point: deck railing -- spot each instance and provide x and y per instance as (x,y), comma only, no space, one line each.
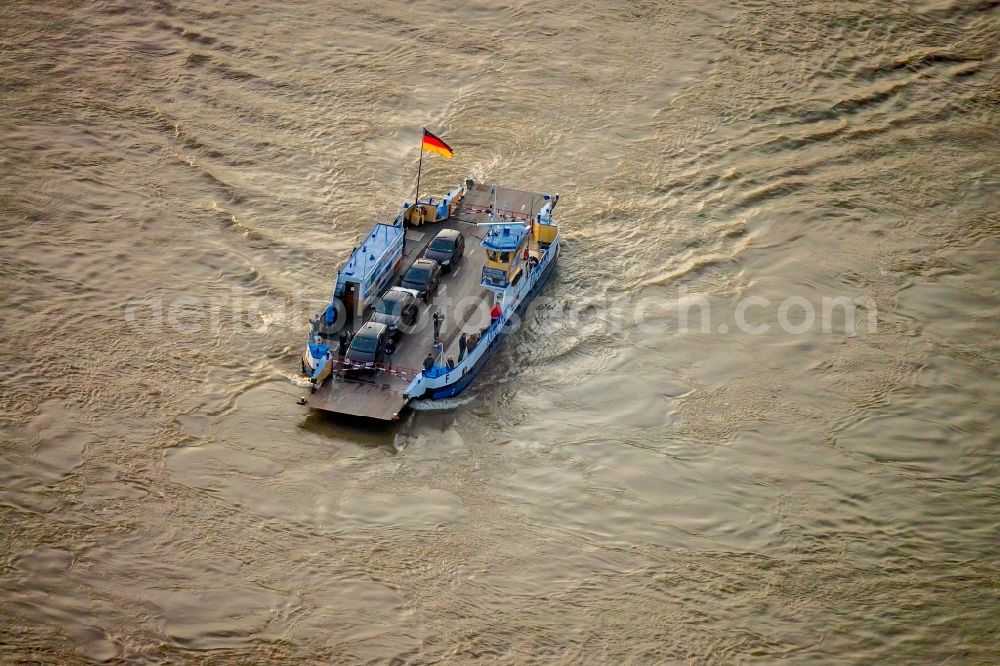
(338,363)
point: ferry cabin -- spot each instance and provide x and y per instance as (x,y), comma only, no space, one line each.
(506,247)
(513,248)
(372,266)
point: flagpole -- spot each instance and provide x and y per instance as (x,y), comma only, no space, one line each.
(420,166)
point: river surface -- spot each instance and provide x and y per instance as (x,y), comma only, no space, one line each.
(684,455)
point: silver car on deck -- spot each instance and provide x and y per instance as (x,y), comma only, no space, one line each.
(399,310)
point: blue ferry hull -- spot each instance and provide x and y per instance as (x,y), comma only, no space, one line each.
(451,390)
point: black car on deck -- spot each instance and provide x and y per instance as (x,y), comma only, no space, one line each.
(398,310)
(368,345)
(423,276)
(447,249)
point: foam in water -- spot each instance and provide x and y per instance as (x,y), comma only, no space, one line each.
(442,405)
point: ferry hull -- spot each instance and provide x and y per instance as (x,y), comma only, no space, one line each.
(451,390)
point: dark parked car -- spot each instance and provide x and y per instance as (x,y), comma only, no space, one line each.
(423,277)
(368,344)
(447,249)
(398,310)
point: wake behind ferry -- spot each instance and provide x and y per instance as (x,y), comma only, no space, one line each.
(424,301)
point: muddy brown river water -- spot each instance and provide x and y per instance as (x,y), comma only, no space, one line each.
(753,417)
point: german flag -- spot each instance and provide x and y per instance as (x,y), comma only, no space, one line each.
(435,145)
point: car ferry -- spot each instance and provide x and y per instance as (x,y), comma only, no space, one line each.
(462,269)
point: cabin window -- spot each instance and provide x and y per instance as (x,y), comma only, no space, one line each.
(504,257)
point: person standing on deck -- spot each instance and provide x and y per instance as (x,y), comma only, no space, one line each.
(342,348)
(389,350)
(463,343)
(428,362)
(438,348)
(496,312)
(438,320)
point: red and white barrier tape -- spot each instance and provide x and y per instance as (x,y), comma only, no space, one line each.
(503,215)
(402,373)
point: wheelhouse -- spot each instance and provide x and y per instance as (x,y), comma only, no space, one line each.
(505,246)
